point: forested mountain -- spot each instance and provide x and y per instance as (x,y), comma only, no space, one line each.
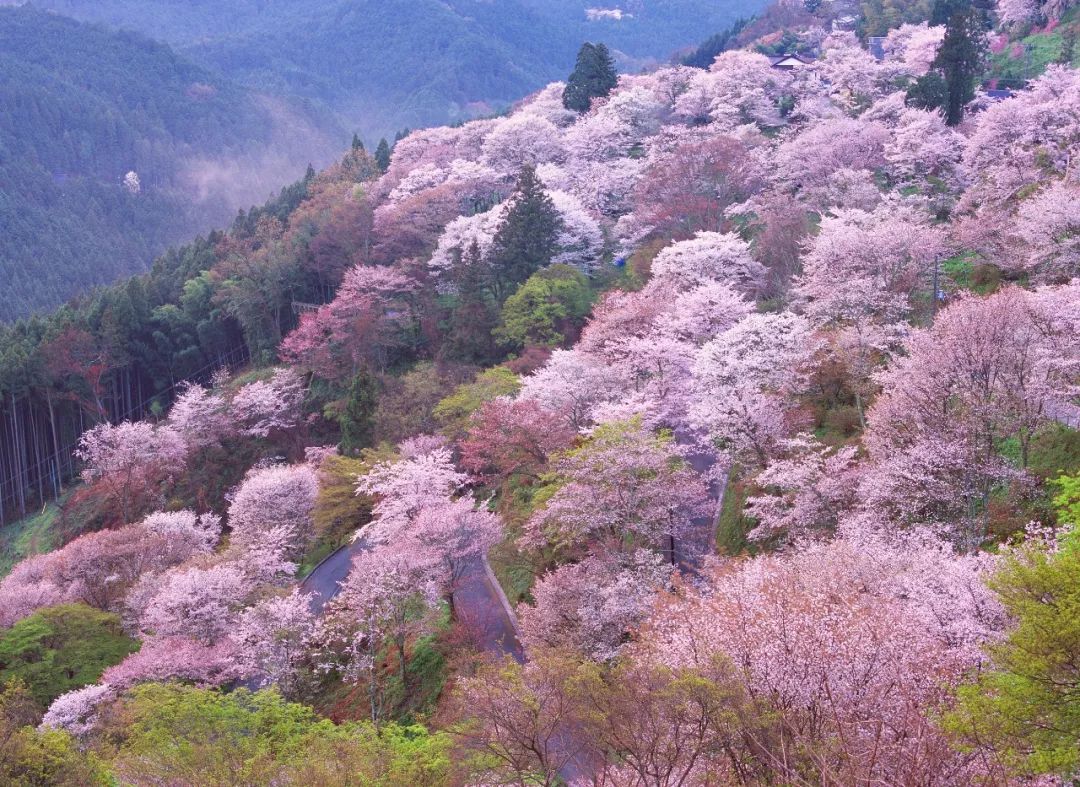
(80,108)
(388,64)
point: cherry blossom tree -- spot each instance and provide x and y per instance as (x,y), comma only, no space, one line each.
(914,47)
(200,531)
(624,488)
(405,487)
(805,493)
(923,147)
(808,158)
(371,317)
(1023,141)
(744,380)
(201,418)
(519,140)
(571,384)
(1049,224)
(128,460)
(709,258)
(865,267)
(28,588)
(512,438)
(164,659)
(271,498)
(199,603)
(388,598)
(593,607)
(77,711)
(687,189)
(830,639)
(458,536)
(272,637)
(982,374)
(264,407)
(740,87)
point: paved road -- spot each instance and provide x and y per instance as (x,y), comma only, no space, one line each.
(478,601)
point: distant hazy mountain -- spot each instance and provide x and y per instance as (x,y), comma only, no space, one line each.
(80,108)
(386,64)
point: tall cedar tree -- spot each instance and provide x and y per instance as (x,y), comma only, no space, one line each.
(962,56)
(475,317)
(594,77)
(526,239)
(382,155)
(358,417)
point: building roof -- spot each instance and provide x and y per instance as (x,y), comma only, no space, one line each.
(789,61)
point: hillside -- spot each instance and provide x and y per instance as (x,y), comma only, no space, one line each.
(704,426)
(80,107)
(389,64)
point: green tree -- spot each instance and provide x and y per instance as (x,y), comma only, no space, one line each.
(961,58)
(382,155)
(593,77)
(1025,708)
(928,92)
(171,734)
(32,758)
(358,416)
(545,308)
(475,315)
(62,648)
(455,410)
(527,237)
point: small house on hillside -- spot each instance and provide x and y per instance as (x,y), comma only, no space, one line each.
(790,62)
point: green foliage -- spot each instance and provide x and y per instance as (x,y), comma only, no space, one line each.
(1026,707)
(358,416)
(961,58)
(339,512)
(527,237)
(1054,451)
(180,735)
(593,77)
(62,648)
(733,524)
(33,758)
(706,52)
(454,411)
(878,17)
(928,92)
(544,309)
(33,535)
(382,155)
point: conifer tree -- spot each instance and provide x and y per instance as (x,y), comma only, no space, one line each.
(358,418)
(527,237)
(382,155)
(474,318)
(357,143)
(962,56)
(594,77)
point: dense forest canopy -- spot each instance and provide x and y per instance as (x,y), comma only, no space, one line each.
(80,109)
(389,64)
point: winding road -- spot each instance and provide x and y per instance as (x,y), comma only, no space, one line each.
(479,601)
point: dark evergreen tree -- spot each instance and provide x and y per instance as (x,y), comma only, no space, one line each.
(928,92)
(382,155)
(475,315)
(358,417)
(961,58)
(593,77)
(357,143)
(526,239)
